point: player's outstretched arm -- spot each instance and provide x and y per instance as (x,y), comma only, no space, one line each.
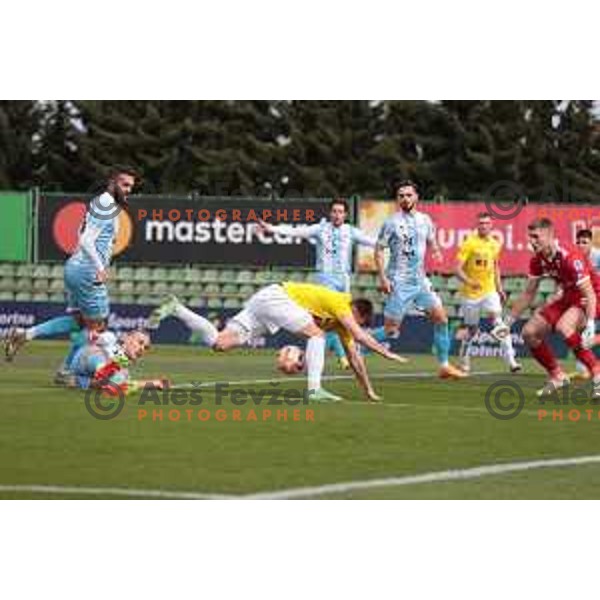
(366,339)
(360,237)
(359,367)
(297,231)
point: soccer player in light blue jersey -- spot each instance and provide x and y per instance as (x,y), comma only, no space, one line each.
(335,241)
(86,271)
(408,234)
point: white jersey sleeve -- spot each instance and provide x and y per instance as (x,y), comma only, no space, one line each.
(359,237)
(298,231)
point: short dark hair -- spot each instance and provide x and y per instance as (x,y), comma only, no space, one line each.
(123,170)
(364,308)
(542,223)
(400,183)
(584,234)
(342,202)
(484,215)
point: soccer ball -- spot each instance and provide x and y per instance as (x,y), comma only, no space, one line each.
(290,360)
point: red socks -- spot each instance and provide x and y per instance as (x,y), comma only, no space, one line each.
(544,355)
(584,355)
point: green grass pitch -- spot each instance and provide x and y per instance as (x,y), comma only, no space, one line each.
(47,437)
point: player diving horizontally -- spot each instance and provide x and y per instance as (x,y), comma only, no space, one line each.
(303,309)
(335,241)
(478,269)
(86,271)
(105,360)
(568,313)
(408,233)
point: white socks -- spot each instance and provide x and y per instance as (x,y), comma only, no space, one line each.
(508,352)
(208,332)
(315,361)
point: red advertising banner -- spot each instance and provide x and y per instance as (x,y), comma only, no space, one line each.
(455,220)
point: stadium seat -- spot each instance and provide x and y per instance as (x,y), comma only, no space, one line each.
(6,296)
(57,272)
(232,303)
(209,275)
(124,299)
(246,291)
(41,271)
(158,274)
(57,285)
(211,289)
(125,287)
(453,283)
(177,288)
(262,277)
(244,276)
(547,286)
(229,288)
(23,297)
(141,274)
(227,276)
(56,297)
(191,275)
(40,297)
(7,270)
(125,274)
(7,283)
(160,288)
(40,284)
(24,284)
(142,288)
(24,271)
(214,303)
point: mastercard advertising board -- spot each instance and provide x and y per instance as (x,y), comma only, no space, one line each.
(170,230)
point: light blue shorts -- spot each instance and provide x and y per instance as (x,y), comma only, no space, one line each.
(406,297)
(83,293)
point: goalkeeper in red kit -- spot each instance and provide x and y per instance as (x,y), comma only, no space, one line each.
(567,313)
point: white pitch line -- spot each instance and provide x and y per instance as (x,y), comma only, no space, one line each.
(310,492)
(432,477)
(111,491)
(417,375)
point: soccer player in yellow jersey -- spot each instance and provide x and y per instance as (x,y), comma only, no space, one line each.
(304,309)
(481,290)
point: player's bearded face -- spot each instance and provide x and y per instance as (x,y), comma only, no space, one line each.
(125,184)
(406,198)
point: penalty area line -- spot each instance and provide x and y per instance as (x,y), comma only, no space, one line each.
(425,478)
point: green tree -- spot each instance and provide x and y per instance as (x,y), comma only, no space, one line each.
(18,128)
